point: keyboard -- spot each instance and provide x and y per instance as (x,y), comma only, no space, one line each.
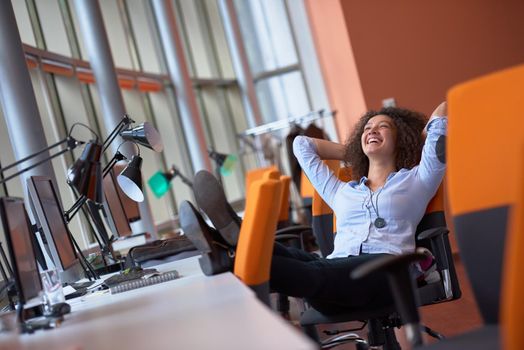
(128,275)
(147,280)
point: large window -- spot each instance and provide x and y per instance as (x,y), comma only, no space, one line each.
(273,58)
(66,91)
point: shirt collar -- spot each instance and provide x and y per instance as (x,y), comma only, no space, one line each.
(363,179)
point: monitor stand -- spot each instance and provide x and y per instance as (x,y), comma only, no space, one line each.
(36,317)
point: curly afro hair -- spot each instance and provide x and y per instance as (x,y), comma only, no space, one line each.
(409,126)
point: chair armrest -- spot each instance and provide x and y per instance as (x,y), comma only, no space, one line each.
(297,229)
(292,235)
(432,233)
(441,249)
(389,263)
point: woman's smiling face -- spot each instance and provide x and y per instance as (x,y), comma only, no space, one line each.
(379,137)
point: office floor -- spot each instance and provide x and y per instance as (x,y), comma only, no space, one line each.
(449,318)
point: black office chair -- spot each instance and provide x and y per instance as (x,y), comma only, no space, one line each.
(480,208)
(381,318)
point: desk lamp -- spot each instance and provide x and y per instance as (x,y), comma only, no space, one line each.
(130,179)
(224,162)
(71,143)
(84,176)
(144,134)
(160,182)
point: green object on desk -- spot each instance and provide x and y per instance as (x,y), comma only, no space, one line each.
(228,165)
(159,184)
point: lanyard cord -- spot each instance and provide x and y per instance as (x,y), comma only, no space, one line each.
(379,222)
(376,200)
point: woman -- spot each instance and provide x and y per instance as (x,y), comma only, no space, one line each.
(377,213)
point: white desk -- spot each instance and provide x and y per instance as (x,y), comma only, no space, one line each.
(192,312)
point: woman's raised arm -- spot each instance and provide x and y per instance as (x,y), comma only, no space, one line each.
(329,150)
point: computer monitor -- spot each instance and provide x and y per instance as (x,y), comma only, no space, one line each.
(114,208)
(49,216)
(21,246)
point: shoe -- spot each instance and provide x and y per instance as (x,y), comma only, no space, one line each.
(211,199)
(217,255)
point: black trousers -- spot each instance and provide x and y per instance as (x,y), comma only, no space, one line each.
(326,283)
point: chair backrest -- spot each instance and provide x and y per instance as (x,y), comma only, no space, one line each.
(485,131)
(512,302)
(257,234)
(283,216)
(344,174)
(256,174)
(448,287)
(322,216)
(306,189)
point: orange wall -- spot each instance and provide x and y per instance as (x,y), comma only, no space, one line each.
(337,62)
(411,50)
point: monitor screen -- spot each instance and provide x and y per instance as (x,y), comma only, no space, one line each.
(115,208)
(130,206)
(48,214)
(21,246)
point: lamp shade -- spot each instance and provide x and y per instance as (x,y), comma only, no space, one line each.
(146,135)
(130,180)
(85,175)
(228,165)
(160,183)
(225,162)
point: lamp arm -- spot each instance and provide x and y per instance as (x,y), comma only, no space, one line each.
(83,261)
(116,158)
(121,125)
(32,166)
(185,180)
(175,172)
(71,212)
(71,144)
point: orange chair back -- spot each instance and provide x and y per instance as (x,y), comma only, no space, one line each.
(484,132)
(256,174)
(257,233)
(344,174)
(283,217)
(512,303)
(306,188)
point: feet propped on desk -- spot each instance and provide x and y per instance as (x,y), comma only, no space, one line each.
(217,255)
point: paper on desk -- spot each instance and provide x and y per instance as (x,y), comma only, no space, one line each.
(69,290)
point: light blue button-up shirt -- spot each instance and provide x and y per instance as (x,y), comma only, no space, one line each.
(401,202)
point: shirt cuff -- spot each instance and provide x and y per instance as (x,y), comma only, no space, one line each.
(302,143)
(437,125)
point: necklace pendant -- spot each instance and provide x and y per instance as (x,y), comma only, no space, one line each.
(380,222)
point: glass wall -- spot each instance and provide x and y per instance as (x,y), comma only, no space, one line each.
(273,58)
(66,91)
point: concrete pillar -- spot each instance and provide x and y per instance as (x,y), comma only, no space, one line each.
(113,109)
